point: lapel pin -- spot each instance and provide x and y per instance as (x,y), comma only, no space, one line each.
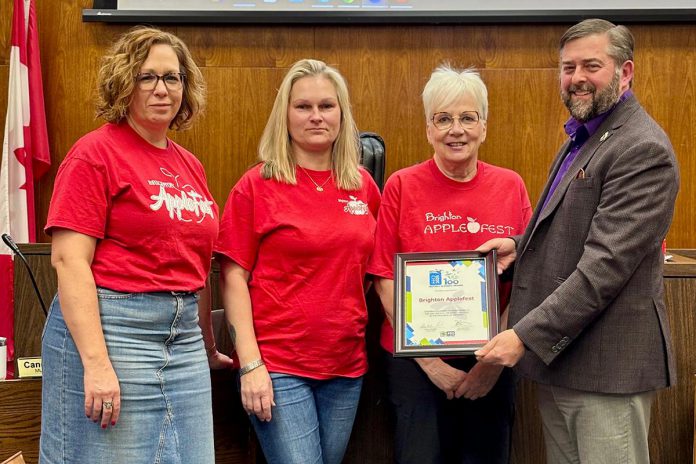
(604,136)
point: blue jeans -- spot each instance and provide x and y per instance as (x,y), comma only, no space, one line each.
(312,420)
(156,349)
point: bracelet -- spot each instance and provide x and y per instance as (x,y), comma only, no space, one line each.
(251,366)
(211,350)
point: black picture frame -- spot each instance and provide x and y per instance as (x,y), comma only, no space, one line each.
(424,309)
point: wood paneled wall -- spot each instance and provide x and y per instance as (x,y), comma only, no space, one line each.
(386,67)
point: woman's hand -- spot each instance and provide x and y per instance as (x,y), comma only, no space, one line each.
(479,381)
(506,249)
(257,393)
(444,376)
(219,361)
(71,256)
(102,393)
(256,385)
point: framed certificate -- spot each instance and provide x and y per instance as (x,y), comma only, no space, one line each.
(444,303)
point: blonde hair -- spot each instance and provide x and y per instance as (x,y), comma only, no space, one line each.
(123,62)
(275,149)
(448,85)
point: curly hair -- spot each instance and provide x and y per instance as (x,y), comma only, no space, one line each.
(275,149)
(123,62)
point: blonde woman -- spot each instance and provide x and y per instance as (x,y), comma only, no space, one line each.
(295,238)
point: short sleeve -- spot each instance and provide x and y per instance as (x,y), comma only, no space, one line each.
(81,198)
(526,205)
(386,235)
(239,238)
(373,196)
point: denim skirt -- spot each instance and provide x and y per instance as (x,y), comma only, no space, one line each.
(156,348)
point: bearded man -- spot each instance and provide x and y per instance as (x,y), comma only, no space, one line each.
(587,313)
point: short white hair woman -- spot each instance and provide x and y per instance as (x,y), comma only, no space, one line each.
(455,409)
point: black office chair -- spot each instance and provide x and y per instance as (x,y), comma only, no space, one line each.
(372,156)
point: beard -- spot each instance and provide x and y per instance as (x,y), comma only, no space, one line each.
(601,101)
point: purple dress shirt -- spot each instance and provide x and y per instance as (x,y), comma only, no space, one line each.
(579,133)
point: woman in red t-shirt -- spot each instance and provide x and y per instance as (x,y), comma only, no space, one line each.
(448,410)
(127,342)
(295,238)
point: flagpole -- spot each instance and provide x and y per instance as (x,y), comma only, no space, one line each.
(25,154)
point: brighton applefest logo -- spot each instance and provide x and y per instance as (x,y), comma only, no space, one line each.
(448,222)
(355,206)
(182,202)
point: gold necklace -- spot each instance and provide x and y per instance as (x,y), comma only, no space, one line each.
(320,188)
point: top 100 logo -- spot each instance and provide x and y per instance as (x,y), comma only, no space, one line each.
(439,278)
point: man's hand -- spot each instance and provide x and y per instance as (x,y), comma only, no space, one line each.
(505,349)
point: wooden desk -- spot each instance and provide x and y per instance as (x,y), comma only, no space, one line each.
(672,427)
(20,418)
(671,433)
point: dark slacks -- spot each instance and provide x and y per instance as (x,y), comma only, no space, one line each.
(430,429)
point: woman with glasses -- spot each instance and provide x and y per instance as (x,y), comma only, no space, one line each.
(129,341)
(448,410)
(295,237)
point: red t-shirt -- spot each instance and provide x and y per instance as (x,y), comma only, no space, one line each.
(307,253)
(424,211)
(150,209)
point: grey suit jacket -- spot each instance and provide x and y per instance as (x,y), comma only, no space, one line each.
(587,297)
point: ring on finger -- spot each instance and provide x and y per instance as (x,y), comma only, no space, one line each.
(107,404)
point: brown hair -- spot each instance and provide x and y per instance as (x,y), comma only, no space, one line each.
(621,41)
(124,60)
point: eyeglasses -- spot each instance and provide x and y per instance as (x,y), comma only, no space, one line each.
(445,121)
(172,81)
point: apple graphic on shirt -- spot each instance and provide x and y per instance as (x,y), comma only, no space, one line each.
(473,226)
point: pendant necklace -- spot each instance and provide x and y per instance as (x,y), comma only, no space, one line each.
(320,188)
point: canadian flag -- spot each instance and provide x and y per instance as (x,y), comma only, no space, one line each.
(25,155)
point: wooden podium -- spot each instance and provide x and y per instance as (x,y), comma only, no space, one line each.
(671,431)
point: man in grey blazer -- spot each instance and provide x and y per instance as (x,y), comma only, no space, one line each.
(587,312)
